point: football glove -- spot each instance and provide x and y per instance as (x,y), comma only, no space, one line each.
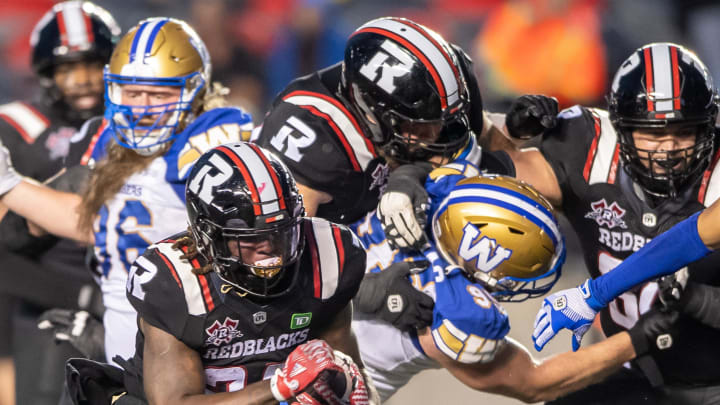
(8,176)
(403,205)
(79,328)
(531,115)
(311,362)
(390,296)
(573,309)
(654,330)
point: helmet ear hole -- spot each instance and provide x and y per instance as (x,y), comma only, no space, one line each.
(515,231)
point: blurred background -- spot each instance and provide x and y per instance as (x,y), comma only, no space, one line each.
(565,48)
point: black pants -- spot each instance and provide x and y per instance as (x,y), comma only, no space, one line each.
(629,387)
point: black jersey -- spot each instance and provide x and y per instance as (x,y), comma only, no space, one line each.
(612,220)
(240,340)
(319,138)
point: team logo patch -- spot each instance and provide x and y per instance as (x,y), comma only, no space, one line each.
(219,333)
(300,320)
(607,215)
(58,142)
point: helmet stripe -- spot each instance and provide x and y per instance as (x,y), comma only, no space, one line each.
(153,34)
(75,25)
(136,40)
(246,176)
(675,77)
(143,40)
(649,78)
(432,56)
(662,77)
(258,173)
(509,200)
(430,38)
(273,175)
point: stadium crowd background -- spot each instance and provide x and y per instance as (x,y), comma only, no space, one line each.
(565,48)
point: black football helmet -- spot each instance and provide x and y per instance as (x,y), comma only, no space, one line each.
(70,31)
(245,215)
(664,86)
(400,77)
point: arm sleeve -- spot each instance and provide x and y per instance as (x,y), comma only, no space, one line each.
(665,254)
(306,144)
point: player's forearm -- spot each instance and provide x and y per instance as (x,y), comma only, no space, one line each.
(254,394)
(708,228)
(54,211)
(571,371)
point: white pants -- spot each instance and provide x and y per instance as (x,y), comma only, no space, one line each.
(120,331)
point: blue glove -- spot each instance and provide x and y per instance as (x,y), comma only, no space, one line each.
(572,309)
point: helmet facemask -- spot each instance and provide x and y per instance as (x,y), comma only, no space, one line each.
(146,128)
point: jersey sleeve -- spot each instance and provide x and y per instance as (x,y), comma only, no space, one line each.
(304,142)
(353,268)
(566,146)
(469,326)
(85,141)
(155,291)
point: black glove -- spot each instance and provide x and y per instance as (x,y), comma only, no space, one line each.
(671,289)
(403,205)
(531,115)
(79,328)
(653,331)
(390,296)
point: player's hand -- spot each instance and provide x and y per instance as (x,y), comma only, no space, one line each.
(8,176)
(310,363)
(572,309)
(358,392)
(531,115)
(672,287)
(654,330)
(403,205)
(79,328)
(391,297)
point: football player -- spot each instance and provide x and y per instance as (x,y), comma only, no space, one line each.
(622,177)
(70,45)
(250,283)
(402,93)
(159,118)
(493,239)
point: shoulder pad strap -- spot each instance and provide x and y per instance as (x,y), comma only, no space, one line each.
(28,121)
(328,256)
(602,160)
(359,149)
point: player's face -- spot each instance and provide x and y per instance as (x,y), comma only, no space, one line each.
(259,253)
(81,83)
(142,96)
(670,144)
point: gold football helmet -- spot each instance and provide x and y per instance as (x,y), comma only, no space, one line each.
(157,52)
(503,234)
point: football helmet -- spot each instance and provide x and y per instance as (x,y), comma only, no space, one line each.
(71,31)
(405,83)
(156,52)
(245,214)
(501,233)
(664,86)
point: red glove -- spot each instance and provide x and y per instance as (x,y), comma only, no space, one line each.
(302,368)
(358,391)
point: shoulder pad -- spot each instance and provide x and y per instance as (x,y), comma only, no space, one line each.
(710,186)
(27,121)
(338,259)
(469,324)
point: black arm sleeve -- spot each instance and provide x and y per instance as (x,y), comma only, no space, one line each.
(701,301)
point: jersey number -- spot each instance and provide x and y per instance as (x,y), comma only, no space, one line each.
(292,137)
(388,72)
(626,309)
(230,379)
(130,244)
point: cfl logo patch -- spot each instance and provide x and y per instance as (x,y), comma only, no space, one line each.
(664,341)
(395,303)
(559,303)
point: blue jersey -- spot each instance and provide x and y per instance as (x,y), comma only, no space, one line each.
(468,323)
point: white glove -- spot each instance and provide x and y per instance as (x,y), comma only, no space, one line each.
(8,176)
(397,215)
(572,309)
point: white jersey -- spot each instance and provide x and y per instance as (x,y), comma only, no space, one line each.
(150,207)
